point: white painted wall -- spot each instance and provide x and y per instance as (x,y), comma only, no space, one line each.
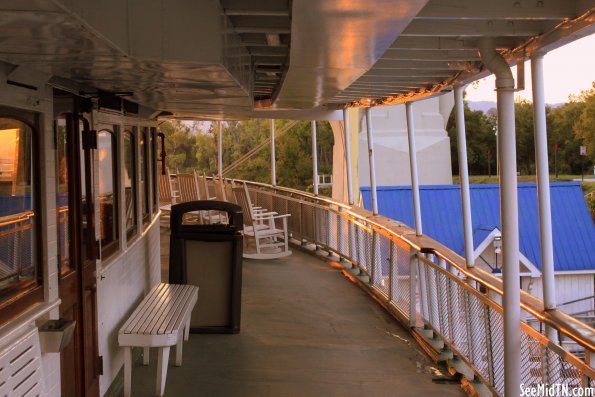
(568,288)
(39,101)
(391,148)
(121,284)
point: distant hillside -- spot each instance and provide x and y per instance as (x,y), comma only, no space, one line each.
(484,106)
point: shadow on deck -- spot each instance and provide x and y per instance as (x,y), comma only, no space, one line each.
(306,331)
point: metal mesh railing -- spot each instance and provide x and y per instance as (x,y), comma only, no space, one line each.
(466,313)
(16,252)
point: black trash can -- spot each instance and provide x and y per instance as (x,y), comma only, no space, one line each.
(210,257)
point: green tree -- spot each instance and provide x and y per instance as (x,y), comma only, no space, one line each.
(180,146)
(584,128)
(525,138)
(481,142)
(561,132)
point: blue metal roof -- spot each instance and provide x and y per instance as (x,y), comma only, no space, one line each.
(572,227)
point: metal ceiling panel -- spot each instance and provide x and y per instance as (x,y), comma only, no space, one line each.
(334,42)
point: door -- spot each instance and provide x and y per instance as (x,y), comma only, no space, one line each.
(77,253)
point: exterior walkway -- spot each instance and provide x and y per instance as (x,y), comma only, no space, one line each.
(306,331)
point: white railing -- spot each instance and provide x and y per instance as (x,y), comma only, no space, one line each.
(455,310)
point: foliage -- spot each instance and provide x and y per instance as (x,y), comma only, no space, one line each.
(591,204)
(584,127)
(180,146)
(481,142)
(569,127)
(195,147)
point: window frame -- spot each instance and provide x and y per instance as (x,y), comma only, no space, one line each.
(18,299)
(154,175)
(132,132)
(113,246)
(145,194)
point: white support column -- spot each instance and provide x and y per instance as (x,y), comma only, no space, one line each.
(508,214)
(220,151)
(372,161)
(348,157)
(413,169)
(464,175)
(273,170)
(314,158)
(543,182)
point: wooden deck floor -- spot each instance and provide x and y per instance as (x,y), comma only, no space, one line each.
(306,331)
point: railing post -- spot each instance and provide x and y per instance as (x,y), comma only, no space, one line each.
(314,159)
(392,282)
(413,168)
(376,271)
(348,157)
(413,289)
(273,161)
(509,214)
(220,151)
(371,161)
(341,235)
(464,175)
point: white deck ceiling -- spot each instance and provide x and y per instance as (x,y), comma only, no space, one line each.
(236,59)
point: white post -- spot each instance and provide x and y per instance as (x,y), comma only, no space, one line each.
(348,157)
(413,169)
(464,175)
(273,170)
(220,151)
(314,158)
(543,182)
(371,161)
(509,214)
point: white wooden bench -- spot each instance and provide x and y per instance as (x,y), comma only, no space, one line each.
(161,320)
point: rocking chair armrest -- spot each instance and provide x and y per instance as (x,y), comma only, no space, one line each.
(276,216)
(264,215)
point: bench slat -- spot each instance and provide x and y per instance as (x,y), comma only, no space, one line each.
(162,311)
(174,319)
(160,305)
(141,311)
(155,303)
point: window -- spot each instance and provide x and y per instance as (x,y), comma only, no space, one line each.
(62,178)
(108,197)
(130,183)
(154,168)
(144,171)
(19,265)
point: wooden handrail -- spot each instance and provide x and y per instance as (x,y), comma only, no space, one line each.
(576,330)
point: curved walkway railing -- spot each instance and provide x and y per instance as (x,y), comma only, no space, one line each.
(427,286)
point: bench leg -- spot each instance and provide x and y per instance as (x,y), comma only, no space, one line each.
(187,330)
(179,350)
(127,371)
(162,359)
(146,355)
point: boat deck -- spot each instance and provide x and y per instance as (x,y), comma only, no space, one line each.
(306,330)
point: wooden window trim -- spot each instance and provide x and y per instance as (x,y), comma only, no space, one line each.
(21,298)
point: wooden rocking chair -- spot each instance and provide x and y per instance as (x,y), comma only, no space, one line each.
(270,239)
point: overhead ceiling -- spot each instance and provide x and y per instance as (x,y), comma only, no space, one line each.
(233,59)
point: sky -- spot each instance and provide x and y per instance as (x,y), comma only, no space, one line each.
(569,69)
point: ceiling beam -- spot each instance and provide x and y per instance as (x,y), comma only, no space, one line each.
(467,28)
(256,12)
(447,43)
(494,9)
(408,73)
(260,29)
(407,64)
(431,55)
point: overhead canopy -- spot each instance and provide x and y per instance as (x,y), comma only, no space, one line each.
(233,59)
